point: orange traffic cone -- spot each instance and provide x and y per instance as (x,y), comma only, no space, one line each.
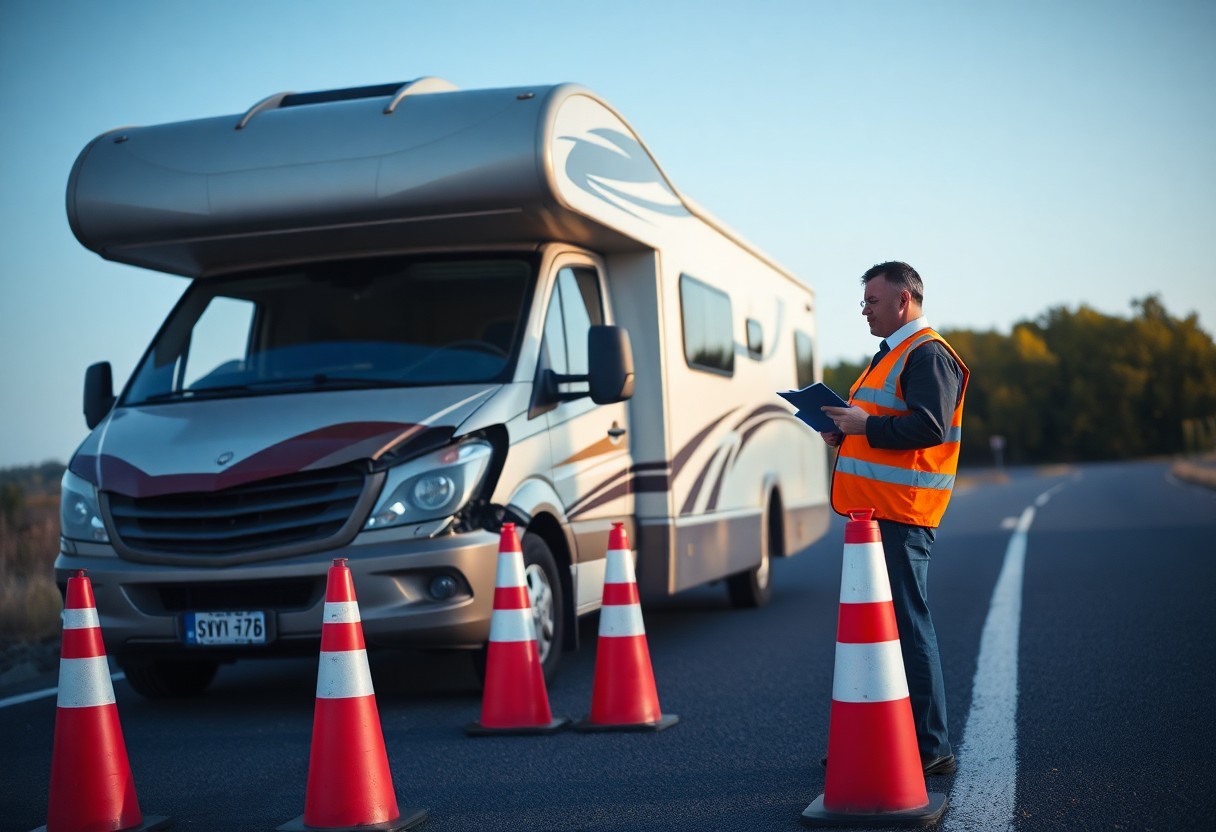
(91,784)
(624,697)
(350,786)
(874,774)
(514,700)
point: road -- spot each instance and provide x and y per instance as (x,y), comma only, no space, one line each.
(1096,663)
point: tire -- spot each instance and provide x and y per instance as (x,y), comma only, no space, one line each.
(166,678)
(548,607)
(754,587)
(545,596)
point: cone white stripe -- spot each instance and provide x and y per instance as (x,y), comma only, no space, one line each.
(344,675)
(85,683)
(341,612)
(621,620)
(620,567)
(512,625)
(863,565)
(81,619)
(869,672)
(510,570)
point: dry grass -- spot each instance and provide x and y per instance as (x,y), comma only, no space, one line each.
(30,603)
(1199,473)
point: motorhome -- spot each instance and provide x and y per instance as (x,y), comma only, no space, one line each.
(415,312)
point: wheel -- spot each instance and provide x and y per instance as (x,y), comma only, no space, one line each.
(166,678)
(545,599)
(545,596)
(753,587)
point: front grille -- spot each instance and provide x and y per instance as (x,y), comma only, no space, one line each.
(281,595)
(285,511)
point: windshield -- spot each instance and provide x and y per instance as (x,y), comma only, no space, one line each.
(339,326)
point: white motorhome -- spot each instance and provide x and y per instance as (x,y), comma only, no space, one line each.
(415,312)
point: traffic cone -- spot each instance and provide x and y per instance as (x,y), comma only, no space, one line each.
(874,774)
(91,784)
(624,697)
(514,700)
(350,786)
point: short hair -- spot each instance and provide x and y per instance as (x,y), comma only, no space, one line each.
(898,274)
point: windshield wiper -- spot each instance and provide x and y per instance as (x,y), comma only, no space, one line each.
(318,381)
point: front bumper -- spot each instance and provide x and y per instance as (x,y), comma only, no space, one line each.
(141,607)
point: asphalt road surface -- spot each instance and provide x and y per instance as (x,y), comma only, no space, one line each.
(1074,610)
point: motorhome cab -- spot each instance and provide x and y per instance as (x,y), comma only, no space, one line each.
(415,312)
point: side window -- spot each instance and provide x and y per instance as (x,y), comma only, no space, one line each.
(804,359)
(219,344)
(755,338)
(574,308)
(709,342)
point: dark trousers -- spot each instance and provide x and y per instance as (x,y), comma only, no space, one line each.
(907,554)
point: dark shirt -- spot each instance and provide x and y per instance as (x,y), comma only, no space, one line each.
(932,386)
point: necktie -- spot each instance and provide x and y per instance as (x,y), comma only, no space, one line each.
(883,349)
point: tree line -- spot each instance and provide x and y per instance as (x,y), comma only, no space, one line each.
(1080,385)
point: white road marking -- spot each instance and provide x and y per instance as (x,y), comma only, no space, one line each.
(985,789)
(45,693)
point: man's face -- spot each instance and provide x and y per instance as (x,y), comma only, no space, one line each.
(883,306)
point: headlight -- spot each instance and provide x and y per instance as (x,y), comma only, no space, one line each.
(79,515)
(431,487)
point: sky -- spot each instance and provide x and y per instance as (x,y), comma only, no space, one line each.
(1021,156)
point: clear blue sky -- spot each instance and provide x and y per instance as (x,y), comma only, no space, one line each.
(1021,155)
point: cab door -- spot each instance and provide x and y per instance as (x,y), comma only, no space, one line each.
(591,459)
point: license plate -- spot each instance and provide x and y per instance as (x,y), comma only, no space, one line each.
(247,627)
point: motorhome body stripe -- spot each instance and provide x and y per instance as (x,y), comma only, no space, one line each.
(85,683)
(344,675)
(869,673)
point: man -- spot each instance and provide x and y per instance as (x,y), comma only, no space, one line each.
(899,443)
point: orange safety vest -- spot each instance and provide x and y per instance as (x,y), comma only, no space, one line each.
(911,486)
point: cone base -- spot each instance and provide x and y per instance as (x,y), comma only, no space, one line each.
(586,726)
(476,729)
(817,816)
(409,819)
(150,823)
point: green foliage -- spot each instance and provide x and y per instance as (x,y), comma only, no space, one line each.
(1080,385)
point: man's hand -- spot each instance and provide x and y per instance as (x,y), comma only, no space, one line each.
(849,420)
(832,437)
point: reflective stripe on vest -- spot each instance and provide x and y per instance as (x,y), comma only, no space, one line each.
(911,486)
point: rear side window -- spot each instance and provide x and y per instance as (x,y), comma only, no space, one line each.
(709,342)
(804,359)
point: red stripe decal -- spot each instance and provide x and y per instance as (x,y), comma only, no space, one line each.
(866,623)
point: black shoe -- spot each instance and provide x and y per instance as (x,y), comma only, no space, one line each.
(939,765)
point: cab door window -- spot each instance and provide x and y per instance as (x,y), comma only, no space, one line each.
(574,308)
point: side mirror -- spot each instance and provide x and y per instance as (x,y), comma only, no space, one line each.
(610,364)
(98,393)
(610,357)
